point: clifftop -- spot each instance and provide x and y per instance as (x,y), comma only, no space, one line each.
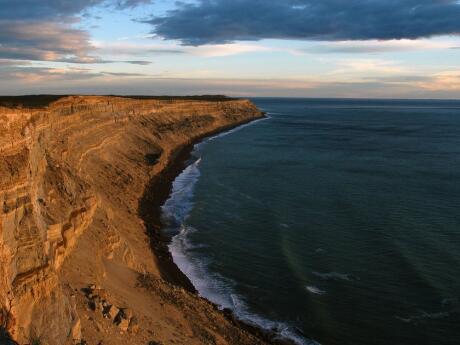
(75,259)
(43,101)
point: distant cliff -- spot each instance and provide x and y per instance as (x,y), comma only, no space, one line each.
(75,259)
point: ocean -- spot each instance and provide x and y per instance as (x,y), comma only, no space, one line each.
(331,221)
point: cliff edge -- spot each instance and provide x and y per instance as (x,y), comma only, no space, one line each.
(76,262)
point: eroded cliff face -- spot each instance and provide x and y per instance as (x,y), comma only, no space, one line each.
(71,176)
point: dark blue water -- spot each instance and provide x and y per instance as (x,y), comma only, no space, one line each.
(332,220)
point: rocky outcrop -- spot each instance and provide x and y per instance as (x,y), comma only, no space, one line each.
(71,175)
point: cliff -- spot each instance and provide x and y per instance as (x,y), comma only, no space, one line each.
(76,262)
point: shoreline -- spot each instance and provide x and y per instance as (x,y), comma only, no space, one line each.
(155,195)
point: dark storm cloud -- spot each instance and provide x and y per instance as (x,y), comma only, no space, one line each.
(223,21)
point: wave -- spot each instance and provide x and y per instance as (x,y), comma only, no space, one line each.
(422,316)
(180,202)
(335,276)
(315,290)
(213,286)
(450,303)
(220,290)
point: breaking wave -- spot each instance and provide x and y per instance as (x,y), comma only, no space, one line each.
(315,290)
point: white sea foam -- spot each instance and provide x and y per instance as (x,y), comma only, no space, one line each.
(180,202)
(315,290)
(212,286)
(220,290)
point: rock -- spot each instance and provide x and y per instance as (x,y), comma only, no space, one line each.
(127,313)
(123,324)
(92,305)
(112,312)
(133,325)
(101,293)
(123,319)
(76,331)
(99,306)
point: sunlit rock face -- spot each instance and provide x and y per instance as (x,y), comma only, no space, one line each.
(71,175)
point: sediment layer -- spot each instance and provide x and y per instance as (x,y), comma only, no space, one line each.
(75,255)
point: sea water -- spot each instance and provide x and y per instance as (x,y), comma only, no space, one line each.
(331,221)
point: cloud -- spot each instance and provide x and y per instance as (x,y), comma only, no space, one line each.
(44,9)
(368,66)
(31,75)
(52,9)
(4,63)
(219,50)
(127,49)
(223,21)
(123,48)
(83,81)
(136,62)
(123,4)
(375,46)
(401,79)
(442,81)
(27,74)
(46,41)
(123,74)
(43,30)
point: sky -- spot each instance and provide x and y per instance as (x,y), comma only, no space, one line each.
(286,48)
